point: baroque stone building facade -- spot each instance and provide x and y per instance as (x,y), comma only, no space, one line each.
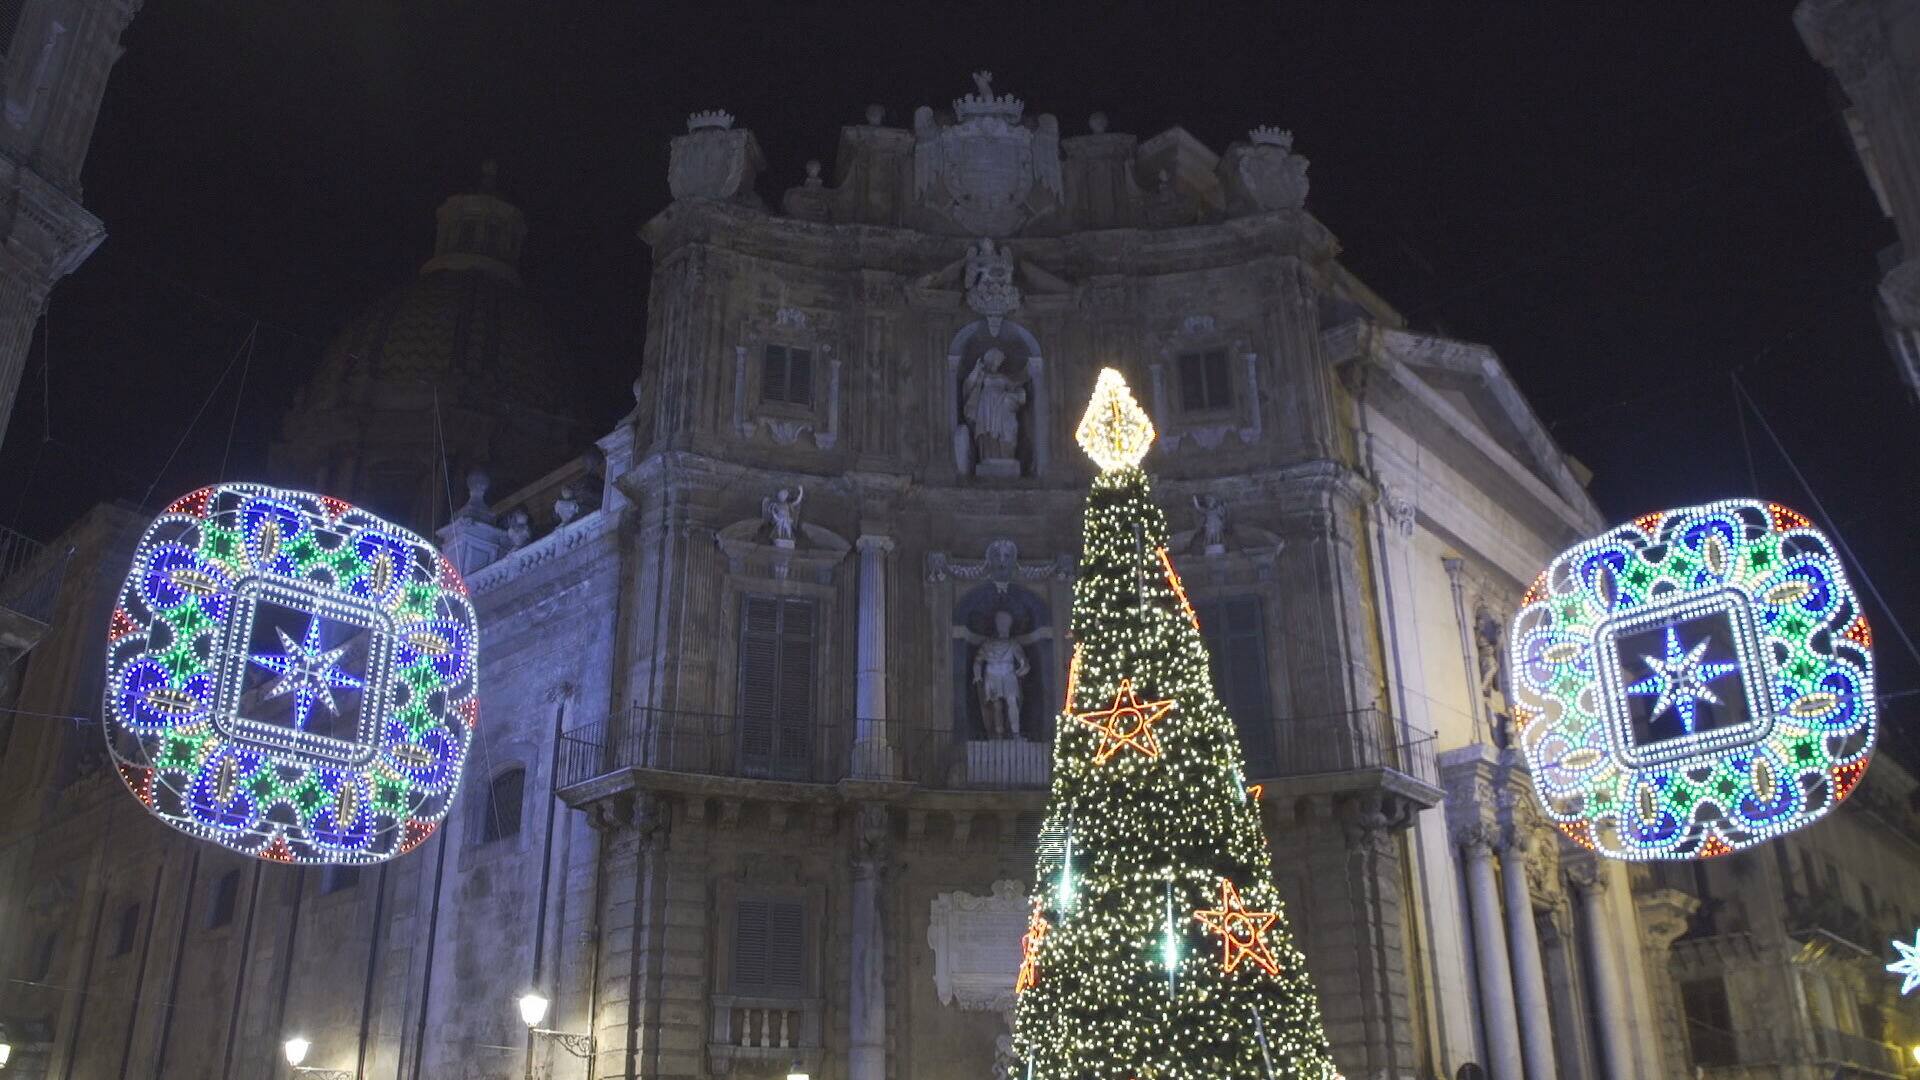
(770,668)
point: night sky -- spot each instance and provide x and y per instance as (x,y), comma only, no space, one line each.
(1627,203)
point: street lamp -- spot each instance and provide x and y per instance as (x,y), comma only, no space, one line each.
(797,1070)
(296,1050)
(533,1009)
(6,1051)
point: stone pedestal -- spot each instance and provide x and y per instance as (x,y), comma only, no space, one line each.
(997,469)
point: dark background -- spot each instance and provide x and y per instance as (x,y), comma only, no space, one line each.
(1627,202)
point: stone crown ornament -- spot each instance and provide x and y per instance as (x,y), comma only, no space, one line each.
(719,119)
(1115,432)
(291,677)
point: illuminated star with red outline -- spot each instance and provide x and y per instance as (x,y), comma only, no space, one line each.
(1128,722)
(1242,932)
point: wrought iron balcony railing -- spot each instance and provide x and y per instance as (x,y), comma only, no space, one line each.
(801,750)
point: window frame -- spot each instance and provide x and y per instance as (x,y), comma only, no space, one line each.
(126,930)
(787,350)
(801,987)
(782,759)
(492,823)
(1205,356)
(1211,610)
(223,900)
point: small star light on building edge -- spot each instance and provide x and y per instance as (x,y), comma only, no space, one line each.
(1908,966)
(1115,431)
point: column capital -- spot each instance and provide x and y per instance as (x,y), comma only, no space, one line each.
(1479,839)
(872,837)
(1665,915)
(1588,877)
(875,542)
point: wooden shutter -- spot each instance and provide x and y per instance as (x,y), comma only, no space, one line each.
(1234,629)
(799,376)
(749,946)
(769,948)
(785,940)
(777,661)
(1193,382)
(773,374)
(504,799)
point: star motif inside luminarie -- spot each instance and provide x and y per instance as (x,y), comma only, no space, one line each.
(1679,680)
(307,672)
(1129,722)
(1908,966)
(1242,932)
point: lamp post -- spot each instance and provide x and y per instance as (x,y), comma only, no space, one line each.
(6,1051)
(797,1070)
(296,1050)
(533,1009)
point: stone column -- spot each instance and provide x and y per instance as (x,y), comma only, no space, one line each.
(1664,917)
(1616,1042)
(867,997)
(1529,978)
(871,757)
(1477,844)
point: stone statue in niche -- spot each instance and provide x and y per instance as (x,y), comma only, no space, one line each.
(1213,522)
(519,530)
(782,512)
(999,663)
(991,403)
(1488,634)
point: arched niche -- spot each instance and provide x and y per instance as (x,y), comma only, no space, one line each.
(1024,364)
(973,622)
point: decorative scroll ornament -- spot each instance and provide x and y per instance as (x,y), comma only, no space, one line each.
(291,677)
(1115,432)
(1694,683)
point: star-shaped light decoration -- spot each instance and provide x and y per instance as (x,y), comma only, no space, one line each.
(1115,432)
(1030,950)
(1679,680)
(1242,932)
(1908,966)
(307,672)
(1128,722)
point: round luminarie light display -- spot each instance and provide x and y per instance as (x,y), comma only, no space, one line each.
(291,677)
(1694,682)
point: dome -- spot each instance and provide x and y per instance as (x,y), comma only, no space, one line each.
(464,336)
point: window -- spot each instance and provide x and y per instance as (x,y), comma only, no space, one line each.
(337,878)
(502,814)
(43,956)
(126,930)
(768,944)
(1709,1022)
(776,686)
(1204,381)
(1234,629)
(786,375)
(226,891)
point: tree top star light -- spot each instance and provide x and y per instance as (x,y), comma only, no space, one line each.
(291,677)
(1115,431)
(1694,682)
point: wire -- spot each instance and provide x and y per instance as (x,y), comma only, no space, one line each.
(197,413)
(1839,540)
(239,396)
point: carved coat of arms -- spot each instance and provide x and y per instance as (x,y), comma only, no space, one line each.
(987,172)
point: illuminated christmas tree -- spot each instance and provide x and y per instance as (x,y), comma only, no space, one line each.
(1156,949)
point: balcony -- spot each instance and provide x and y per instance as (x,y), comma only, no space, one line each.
(30,579)
(1857,1052)
(1333,751)
(774,1031)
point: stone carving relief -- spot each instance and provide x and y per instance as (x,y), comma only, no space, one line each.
(1002,566)
(1398,508)
(991,401)
(989,283)
(1213,522)
(1490,657)
(986,172)
(782,513)
(1263,173)
(713,160)
(976,946)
